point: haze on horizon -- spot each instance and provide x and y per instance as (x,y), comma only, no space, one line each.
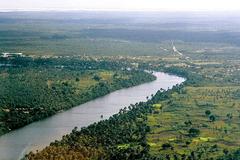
(122,5)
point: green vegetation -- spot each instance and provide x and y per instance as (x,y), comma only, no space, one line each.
(84,33)
(201,119)
(35,88)
(184,124)
(120,137)
(196,120)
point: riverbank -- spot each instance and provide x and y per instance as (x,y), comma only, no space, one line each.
(132,96)
(38,88)
(13,145)
(196,120)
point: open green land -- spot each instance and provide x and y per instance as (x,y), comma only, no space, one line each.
(201,119)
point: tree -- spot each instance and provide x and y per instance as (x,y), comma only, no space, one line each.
(225,151)
(188,123)
(96,78)
(193,132)
(207,112)
(229,116)
(212,118)
(166,146)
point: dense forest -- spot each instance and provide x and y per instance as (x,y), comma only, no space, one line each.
(123,136)
(35,88)
(196,120)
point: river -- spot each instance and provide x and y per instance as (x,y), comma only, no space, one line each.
(35,136)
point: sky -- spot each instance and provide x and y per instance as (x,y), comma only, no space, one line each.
(135,5)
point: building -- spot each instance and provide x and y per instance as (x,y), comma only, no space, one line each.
(6,55)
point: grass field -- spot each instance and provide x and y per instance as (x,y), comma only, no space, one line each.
(181,112)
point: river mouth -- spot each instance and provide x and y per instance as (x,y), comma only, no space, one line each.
(37,135)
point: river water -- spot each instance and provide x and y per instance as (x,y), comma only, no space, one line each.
(35,136)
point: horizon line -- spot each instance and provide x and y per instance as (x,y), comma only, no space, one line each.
(107,10)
